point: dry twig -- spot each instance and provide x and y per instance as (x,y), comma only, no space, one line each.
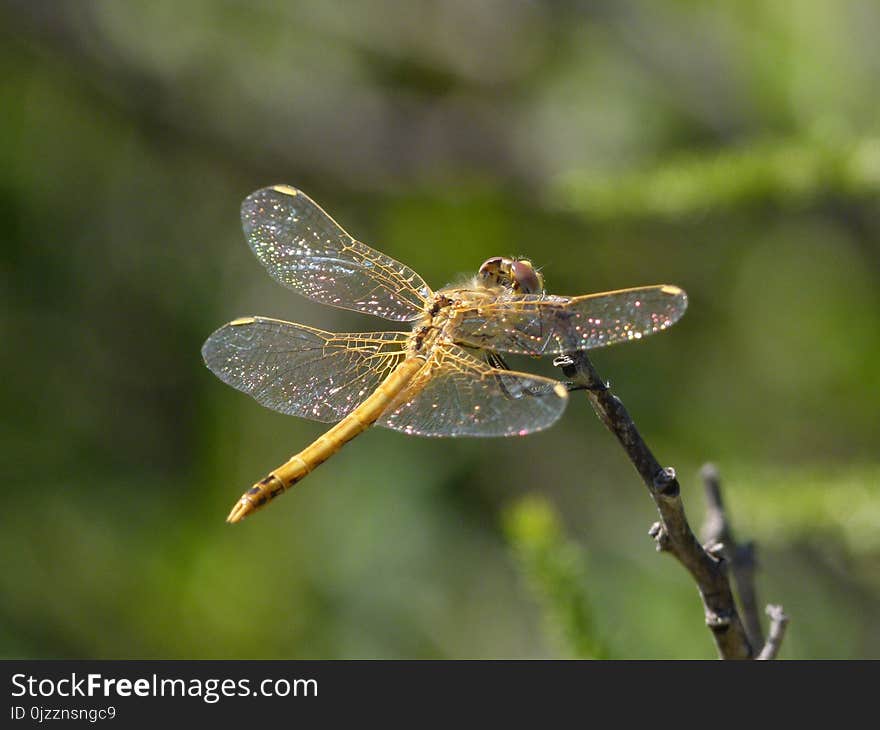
(672,533)
(718,540)
(778,624)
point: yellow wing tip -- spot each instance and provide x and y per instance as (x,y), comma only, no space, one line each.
(242,320)
(285,189)
(672,290)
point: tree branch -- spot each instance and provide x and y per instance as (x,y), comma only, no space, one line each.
(672,533)
(718,539)
(778,624)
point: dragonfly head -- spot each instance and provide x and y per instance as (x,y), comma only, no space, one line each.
(518,275)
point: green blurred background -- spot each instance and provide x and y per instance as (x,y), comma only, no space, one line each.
(732,148)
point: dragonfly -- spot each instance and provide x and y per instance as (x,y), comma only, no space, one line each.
(444,377)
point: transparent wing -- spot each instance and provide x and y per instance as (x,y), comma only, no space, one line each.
(307,251)
(299,370)
(457,395)
(545,325)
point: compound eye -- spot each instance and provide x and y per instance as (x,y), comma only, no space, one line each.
(525,278)
(490,267)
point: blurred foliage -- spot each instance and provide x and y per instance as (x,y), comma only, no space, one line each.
(839,507)
(555,571)
(764,174)
(728,147)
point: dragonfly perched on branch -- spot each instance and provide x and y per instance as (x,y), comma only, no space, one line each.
(444,377)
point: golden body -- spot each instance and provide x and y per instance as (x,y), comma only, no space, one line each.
(437,327)
(322,448)
(430,381)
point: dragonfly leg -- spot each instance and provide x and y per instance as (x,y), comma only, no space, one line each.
(495,360)
(594,386)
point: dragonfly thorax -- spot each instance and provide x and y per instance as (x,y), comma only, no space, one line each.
(517,275)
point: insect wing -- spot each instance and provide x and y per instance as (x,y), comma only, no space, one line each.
(456,394)
(306,250)
(302,371)
(546,325)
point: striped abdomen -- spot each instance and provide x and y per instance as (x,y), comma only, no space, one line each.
(361,418)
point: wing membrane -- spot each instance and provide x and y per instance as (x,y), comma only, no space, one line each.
(545,325)
(457,395)
(307,251)
(302,371)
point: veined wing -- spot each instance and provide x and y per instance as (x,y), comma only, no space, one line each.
(302,371)
(307,251)
(537,324)
(456,394)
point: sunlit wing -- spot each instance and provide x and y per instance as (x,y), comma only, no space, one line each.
(307,251)
(302,371)
(545,325)
(458,395)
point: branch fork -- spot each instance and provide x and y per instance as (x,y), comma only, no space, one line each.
(711,566)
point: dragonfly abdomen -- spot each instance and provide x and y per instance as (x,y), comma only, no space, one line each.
(298,466)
